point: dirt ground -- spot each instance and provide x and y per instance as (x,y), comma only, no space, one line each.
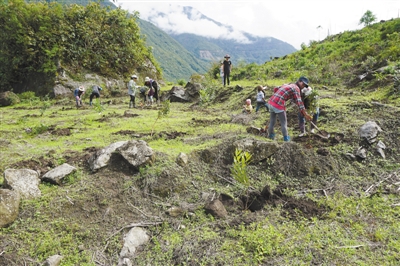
(305,162)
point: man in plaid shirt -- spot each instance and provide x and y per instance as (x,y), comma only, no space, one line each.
(277,105)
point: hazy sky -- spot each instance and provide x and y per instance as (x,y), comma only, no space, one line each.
(291,21)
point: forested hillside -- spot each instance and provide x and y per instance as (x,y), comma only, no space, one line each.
(176,62)
(259,49)
(40,40)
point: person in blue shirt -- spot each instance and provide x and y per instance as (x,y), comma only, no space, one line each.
(78,94)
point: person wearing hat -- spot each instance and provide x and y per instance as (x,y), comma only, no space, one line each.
(78,94)
(132,90)
(95,92)
(227,67)
(152,84)
(277,107)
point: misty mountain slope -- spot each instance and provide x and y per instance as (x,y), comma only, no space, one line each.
(221,39)
(260,50)
(175,61)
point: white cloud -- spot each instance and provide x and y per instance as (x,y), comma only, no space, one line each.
(292,21)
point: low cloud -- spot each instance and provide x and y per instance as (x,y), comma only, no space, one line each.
(174,20)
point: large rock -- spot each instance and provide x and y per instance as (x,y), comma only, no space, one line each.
(24,181)
(216,209)
(60,91)
(260,150)
(9,206)
(101,158)
(369,131)
(191,93)
(136,153)
(56,175)
(135,238)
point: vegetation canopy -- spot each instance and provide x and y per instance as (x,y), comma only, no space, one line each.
(41,39)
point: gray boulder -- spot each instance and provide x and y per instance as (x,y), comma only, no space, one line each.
(182,159)
(191,93)
(135,238)
(136,153)
(56,175)
(24,181)
(61,91)
(101,158)
(260,150)
(369,131)
(9,206)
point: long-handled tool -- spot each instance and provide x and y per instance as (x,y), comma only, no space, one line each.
(324,134)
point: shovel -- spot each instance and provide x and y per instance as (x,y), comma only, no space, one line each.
(323,133)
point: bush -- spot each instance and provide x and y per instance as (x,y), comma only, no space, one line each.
(8,98)
(181,82)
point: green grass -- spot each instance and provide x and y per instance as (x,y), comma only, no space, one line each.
(73,220)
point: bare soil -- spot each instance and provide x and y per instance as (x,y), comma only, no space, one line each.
(109,202)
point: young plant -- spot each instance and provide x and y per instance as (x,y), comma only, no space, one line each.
(163,112)
(98,107)
(241,160)
(45,105)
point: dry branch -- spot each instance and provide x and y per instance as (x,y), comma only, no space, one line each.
(360,246)
(302,192)
(380,182)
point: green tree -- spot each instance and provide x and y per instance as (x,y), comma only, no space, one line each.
(367,18)
(41,38)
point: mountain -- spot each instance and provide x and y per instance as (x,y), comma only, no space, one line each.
(240,45)
(182,54)
(175,61)
(259,50)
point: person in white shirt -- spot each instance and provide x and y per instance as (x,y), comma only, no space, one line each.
(132,90)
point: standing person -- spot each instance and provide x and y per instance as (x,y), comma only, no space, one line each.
(277,105)
(310,100)
(221,72)
(260,98)
(150,83)
(227,69)
(95,92)
(132,90)
(151,94)
(78,94)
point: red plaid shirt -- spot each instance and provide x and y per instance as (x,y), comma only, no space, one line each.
(284,93)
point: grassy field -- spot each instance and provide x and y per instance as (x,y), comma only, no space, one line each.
(320,216)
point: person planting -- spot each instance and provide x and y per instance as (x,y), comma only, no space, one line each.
(277,104)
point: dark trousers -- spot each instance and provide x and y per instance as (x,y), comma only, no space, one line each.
(94,94)
(226,77)
(132,99)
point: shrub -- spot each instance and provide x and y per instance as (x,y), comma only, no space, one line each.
(181,82)
(9,98)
